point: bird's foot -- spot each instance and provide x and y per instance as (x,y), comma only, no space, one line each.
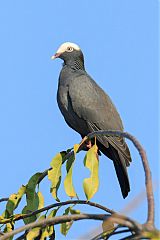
(85,144)
(88,144)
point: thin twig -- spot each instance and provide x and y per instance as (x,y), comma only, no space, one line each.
(4,199)
(66,203)
(133,236)
(43,175)
(102,234)
(22,237)
(120,231)
(148,178)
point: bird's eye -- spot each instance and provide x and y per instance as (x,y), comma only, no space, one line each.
(69,49)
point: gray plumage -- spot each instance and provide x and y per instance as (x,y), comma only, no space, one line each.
(87,108)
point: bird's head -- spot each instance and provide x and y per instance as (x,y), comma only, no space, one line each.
(69,52)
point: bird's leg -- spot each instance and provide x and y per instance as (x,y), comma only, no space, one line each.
(88,144)
(85,144)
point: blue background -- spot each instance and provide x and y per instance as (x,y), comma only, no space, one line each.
(120,43)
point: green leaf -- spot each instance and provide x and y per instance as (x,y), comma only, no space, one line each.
(54,175)
(32,198)
(30,208)
(90,185)
(13,201)
(30,190)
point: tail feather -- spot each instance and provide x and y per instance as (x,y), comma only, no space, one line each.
(120,167)
(122,175)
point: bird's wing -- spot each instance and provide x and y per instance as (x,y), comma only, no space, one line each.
(90,102)
(94,106)
(117,142)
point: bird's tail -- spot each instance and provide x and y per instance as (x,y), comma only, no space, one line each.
(122,175)
(120,167)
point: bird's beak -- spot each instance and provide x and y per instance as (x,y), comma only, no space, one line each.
(56,55)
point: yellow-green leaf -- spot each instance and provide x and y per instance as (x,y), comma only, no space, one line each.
(153,235)
(13,201)
(68,181)
(3,220)
(76,148)
(35,232)
(41,200)
(54,175)
(67,225)
(74,211)
(90,185)
(8,227)
(108,227)
(49,230)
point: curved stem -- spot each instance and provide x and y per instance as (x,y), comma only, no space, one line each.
(67,203)
(148,178)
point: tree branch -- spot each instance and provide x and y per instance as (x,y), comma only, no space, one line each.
(4,199)
(55,221)
(68,218)
(148,178)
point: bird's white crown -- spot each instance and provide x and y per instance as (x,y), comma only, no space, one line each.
(66,45)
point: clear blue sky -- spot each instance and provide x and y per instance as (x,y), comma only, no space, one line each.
(120,43)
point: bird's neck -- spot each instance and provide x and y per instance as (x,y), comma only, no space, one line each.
(75,64)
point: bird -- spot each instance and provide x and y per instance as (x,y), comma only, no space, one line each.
(87,108)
